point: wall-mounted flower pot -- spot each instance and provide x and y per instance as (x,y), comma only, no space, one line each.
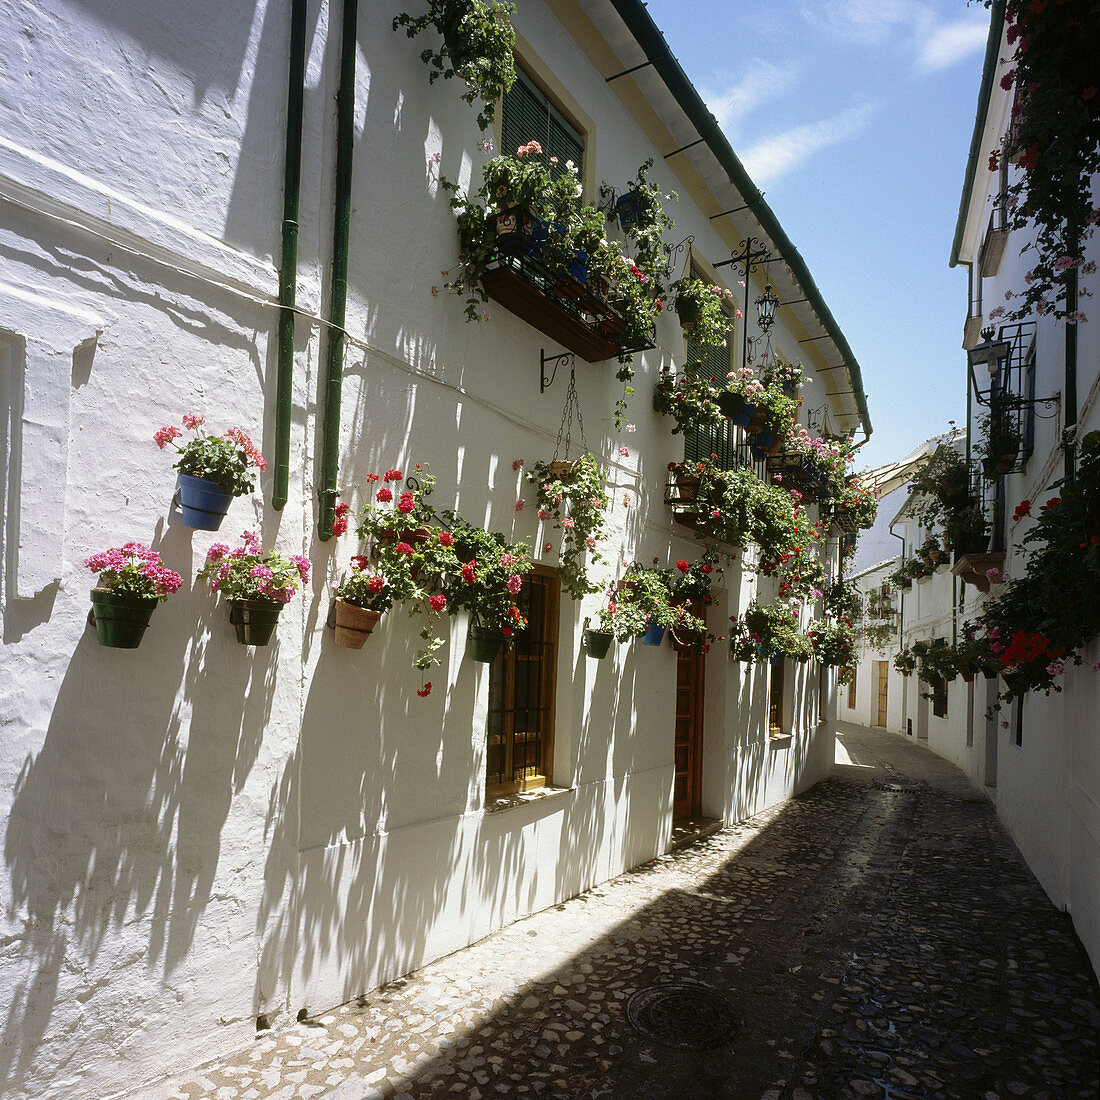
(686,642)
(653,635)
(776,659)
(485,643)
(734,407)
(597,643)
(996,465)
(353,623)
(202,503)
(765,443)
(626,209)
(120,619)
(254,620)
(687,309)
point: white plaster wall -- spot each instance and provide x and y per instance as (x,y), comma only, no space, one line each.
(197,832)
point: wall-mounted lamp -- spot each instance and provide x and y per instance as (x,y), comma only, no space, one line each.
(989,352)
(766,306)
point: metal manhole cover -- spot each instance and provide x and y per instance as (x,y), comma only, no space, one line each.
(683,1015)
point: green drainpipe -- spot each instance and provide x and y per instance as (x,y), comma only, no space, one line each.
(288,272)
(345,136)
(1071,379)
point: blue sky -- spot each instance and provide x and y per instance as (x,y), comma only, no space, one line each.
(854,117)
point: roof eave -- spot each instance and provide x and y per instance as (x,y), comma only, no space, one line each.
(648,36)
(992,50)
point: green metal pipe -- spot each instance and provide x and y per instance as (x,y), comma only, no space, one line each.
(338,296)
(288,271)
(1071,378)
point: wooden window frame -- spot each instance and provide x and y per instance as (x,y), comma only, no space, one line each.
(505,665)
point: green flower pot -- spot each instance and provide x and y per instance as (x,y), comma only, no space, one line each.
(120,619)
(254,620)
(597,643)
(485,643)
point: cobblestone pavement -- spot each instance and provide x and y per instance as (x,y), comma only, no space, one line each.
(879,936)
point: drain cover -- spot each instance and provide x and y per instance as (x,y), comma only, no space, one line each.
(684,1015)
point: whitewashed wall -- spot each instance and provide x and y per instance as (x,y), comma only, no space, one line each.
(198,832)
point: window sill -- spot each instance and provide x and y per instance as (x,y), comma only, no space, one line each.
(495,804)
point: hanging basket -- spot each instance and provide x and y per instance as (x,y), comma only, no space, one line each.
(687,309)
(685,642)
(561,468)
(597,643)
(120,619)
(353,624)
(485,643)
(202,504)
(254,620)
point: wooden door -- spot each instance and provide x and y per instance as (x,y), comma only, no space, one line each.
(883,682)
(687,789)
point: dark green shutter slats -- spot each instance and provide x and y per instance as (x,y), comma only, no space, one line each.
(529,116)
(712,362)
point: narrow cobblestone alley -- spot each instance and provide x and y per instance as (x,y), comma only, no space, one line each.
(879,936)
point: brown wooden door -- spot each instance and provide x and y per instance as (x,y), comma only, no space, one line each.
(687,790)
(883,682)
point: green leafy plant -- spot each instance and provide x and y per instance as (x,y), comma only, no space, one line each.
(773,628)
(1042,619)
(226,460)
(938,660)
(488,584)
(647,223)
(575,495)
(833,643)
(689,400)
(703,310)
(1054,139)
(905,661)
(477,47)
(249,573)
(134,570)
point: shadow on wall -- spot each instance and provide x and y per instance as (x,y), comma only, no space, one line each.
(118,818)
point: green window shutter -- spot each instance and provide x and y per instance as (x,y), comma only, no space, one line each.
(713,362)
(529,116)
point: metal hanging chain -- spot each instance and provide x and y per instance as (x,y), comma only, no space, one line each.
(572,408)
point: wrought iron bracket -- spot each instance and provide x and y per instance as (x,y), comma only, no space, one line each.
(672,251)
(544,382)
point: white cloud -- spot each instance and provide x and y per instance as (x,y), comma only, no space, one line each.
(951,43)
(733,104)
(772,158)
(868,21)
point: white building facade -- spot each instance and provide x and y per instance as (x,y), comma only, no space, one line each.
(200,833)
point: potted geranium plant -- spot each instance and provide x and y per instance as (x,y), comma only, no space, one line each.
(905,661)
(833,643)
(691,400)
(361,598)
(256,584)
(773,629)
(488,586)
(642,605)
(574,494)
(213,470)
(132,581)
(477,47)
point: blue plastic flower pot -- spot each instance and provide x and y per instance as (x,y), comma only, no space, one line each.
(626,210)
(743,414)
(776,659)
(202,503)
(653,635)
(578,266)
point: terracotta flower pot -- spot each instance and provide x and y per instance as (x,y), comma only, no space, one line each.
(353,623)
